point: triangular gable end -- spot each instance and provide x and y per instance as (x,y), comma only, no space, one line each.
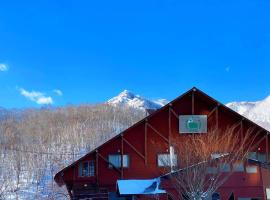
(193,100)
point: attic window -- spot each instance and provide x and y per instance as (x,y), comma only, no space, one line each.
(87,169)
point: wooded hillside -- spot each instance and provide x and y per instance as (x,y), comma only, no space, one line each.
(36,143)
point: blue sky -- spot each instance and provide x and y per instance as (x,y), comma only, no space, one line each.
(92,50)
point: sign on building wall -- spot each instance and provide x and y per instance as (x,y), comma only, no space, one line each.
(193,124)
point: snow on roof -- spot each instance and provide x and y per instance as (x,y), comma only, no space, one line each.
(146,186)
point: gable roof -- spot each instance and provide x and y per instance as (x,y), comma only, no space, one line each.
(154,113)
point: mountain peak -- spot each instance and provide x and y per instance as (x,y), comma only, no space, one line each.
(127,94)
(129,99)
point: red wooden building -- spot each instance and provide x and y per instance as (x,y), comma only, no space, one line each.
(140,147)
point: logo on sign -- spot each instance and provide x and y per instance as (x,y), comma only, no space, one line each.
(193,124)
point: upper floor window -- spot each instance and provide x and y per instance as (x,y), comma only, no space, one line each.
(115,160)
(165,160)
(212,170)
(216,196)
(225,167)
(267,193)
(252,155)
(257,156)
(251,169)
(238,167)
(87,168)
(262,157)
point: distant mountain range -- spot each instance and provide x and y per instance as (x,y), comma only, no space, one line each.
(128,99)
(258,111)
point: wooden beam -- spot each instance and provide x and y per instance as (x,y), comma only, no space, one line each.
(145,142)
(170,126)
(134,148)
(242,129)
(192,102)
(157,132)
(212,111)
(122,156)
(97,175)
(106,160)
(174,113)
(217,117)
(259,142)
(267,148)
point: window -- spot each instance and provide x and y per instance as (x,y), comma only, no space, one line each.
(216,196)
(87,169)
(238,167)
(164,160)
(252,155)
(261,157)
(211,170)
(225,167)
(115,160)
(218,155)
(251,169)
(267,193)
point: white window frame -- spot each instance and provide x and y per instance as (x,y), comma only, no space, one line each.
(238,167)
(212,170)
(164,160)
(250,169)
(252,155)
(225,167)
(261,157)
(267,191)
(90,169)
(125,160)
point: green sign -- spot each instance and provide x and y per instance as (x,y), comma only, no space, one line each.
(193,123)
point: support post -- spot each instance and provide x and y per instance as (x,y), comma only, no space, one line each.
(217,114)
(145,142)
(242,129)
(97,168)
(122,156)
(192,99)
(267,147)
(170,125)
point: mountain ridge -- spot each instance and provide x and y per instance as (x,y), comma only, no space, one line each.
(129,99)
(256,111)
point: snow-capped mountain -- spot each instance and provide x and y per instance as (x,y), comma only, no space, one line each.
(127,98)
(258,111)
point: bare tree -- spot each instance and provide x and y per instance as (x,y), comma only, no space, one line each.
(36,143)
(206,160)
